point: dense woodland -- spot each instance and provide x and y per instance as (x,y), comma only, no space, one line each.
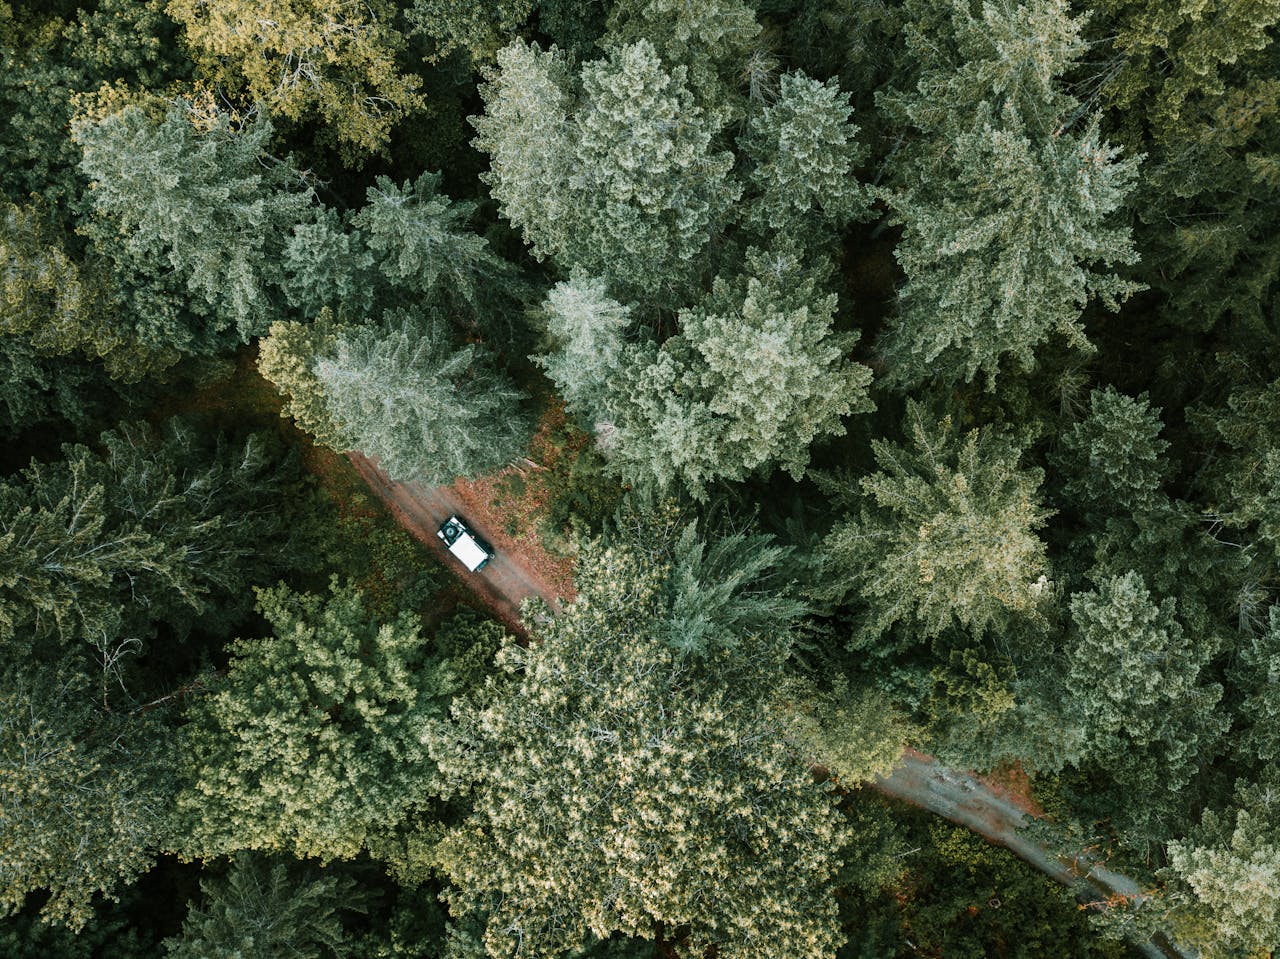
(903,374)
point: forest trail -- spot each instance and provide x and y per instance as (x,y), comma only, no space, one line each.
(959,797)
(502,585)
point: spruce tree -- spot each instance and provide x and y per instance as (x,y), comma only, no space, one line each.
(945,533)
(312,742)
(1008,214)
(403,394)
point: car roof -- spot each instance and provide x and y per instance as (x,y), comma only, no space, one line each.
(468,551)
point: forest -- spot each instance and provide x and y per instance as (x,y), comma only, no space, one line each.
(873,408)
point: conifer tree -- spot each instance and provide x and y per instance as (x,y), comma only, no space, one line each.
(403,394)
(945,533)
(287,356)
(1008,213)
(805,153)
(86,794)
(621,787)
(268,909)
(194,221)
(585,337)
(476,29)
(312,743)
(754,376)
(334,58)
(621,179)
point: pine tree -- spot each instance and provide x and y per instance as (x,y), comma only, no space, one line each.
(287,356)
(1008,215)
(1223,878)
(333,58)
(86,794)
(312,742)
(585,338)
(476,29)
(804,152)
(945,534)
(754,376)
(620,788)
(621,180)
(265,909)
(403,394)
(192,220)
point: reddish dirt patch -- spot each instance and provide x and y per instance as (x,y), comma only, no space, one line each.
(1012,784)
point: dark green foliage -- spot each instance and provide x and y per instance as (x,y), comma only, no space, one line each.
(265,909)
(158,528)
(86,793)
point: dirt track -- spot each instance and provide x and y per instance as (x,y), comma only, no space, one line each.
(503,584)
(919,779)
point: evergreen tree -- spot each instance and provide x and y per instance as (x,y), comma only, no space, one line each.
(402,394)
(585,338)
(333,58)
(1223,879)
(804,153)
(287,357)
(265,909)
(86,794)
(312,742)
(96,547)
(945,533)
(620,787)
(192,220)
(1008,215)
(476,29)
(621,180)
(420,243)
(755,375)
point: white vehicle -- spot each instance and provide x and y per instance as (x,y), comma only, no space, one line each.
(473,552)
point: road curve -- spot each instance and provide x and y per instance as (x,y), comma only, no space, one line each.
(918,779)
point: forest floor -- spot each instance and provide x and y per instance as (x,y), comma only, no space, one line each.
(520,570)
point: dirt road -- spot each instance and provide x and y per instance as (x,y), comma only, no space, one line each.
(503,584)
(919,779)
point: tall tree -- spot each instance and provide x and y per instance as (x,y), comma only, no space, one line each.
(621,787)
(945,534)
(754,376)
(151,530)
(335,58)
(86,794)
(403,394)
(620,177)
(1008,213)
(585,330)
(193,220)
(265,909)
(312,743)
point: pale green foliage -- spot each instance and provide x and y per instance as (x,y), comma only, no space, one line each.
(326,267)
(335,58)
(203,211)
(1114,456)
(856,734)
(85,796)
(1258,676)
(403,394)
(1000,246)
(420,243)
(1008,215)
(754,376)
(264,909)
(286,357)
(623,181)
(585,330)
(804,152)
(478,29)
(312,743)
(713,39)
(1224,879)
(945,534)
(617,785)
(1134,669)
